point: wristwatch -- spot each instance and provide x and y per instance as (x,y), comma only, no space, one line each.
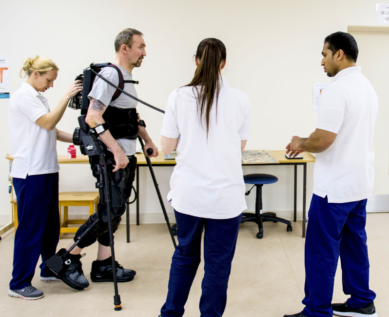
(142,123)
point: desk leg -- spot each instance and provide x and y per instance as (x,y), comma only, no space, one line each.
(295,193)
(138,198)
(128,221)
(304,199)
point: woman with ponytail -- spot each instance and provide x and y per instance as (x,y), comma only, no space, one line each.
(33,136)
(207,122)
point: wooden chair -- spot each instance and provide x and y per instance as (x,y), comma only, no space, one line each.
(66,200)
(15,208)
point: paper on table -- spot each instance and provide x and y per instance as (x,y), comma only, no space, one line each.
(171,156)
(257,157)
(317,90)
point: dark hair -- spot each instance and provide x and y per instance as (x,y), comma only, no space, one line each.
(343,41)
(125,37)
(210,53)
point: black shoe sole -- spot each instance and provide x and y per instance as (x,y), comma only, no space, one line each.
(68,283)
(103,280)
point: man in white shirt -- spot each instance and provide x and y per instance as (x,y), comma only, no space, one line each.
(343,180)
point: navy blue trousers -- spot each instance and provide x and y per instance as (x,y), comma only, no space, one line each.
(220,238)
(336,230)
(38,230)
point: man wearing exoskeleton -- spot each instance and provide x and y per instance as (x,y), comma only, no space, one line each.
(109,105)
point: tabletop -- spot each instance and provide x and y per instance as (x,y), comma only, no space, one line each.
(279,155)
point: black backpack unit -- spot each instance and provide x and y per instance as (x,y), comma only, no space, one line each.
(81,100)
(123,123)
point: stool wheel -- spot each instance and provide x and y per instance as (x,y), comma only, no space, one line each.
(260,234)
(289,228)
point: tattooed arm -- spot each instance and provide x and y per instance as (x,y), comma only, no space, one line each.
(94,118)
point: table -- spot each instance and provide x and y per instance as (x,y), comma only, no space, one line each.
(279,155)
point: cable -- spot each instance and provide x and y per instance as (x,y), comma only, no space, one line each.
(116,186)
(248,192)
(126,93)
(135,198)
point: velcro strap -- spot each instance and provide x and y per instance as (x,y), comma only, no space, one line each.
(102,128)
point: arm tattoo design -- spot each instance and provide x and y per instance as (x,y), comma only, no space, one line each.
(97,105)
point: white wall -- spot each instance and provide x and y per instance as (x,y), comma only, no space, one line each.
(273,52)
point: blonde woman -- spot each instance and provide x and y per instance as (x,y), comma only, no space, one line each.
(33,136)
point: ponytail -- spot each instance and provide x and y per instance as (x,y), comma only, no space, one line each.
(210,54)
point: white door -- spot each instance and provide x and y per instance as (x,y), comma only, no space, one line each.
(374,60)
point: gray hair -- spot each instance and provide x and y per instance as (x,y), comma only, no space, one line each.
(125,37)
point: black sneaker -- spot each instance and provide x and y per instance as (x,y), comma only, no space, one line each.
(345,310)
(72,274)
(29,293)
(102,272)
(296,315)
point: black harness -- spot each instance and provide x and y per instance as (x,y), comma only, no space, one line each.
(118,92)
(123,122)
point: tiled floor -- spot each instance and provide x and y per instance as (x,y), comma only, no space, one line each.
(267,276)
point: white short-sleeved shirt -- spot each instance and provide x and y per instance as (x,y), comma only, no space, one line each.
(34,148)
(347,107)
(103,92)
(208,180)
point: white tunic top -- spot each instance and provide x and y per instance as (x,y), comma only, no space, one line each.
(208,181)
(347,107)
(34,148)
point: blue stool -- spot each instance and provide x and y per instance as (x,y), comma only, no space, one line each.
(258,180)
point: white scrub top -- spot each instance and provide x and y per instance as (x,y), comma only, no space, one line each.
(34,148)
(208,180)
(348,107)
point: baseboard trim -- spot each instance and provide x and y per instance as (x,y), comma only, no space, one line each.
(375,204)
(4,219)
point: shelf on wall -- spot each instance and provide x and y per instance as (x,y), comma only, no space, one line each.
(368,28)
